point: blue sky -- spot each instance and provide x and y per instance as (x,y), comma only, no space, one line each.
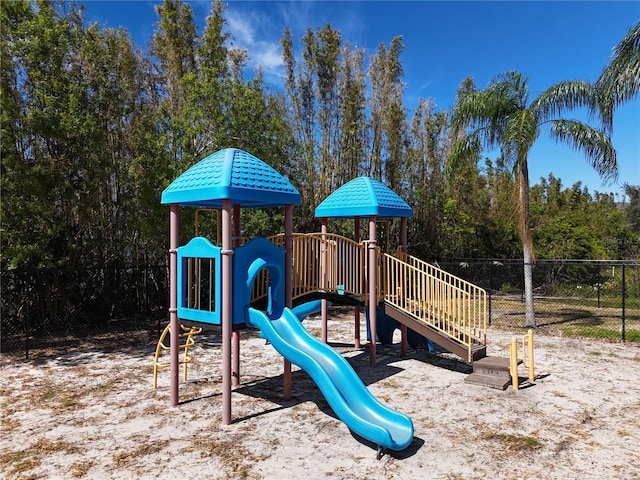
(547,41)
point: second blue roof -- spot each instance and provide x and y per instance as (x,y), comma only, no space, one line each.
(363,197)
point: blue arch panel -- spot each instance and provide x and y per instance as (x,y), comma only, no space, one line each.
(248,261)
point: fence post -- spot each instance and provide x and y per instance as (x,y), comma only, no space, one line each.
(624,294)
(26,337)
(490,289)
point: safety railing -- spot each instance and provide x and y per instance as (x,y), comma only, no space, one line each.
(527,358)
(447,304)
(329,263)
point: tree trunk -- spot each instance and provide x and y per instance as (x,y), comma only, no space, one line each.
(528,287)
(527,244)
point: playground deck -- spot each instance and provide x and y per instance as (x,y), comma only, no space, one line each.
(444,308)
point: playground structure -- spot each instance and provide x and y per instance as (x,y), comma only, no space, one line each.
(262,283)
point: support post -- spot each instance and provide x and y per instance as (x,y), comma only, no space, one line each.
(226,307)
(624,298)
(532,375)
(323,302)
(513,363)
(404,342)
(356,313)
(288,286)
(490,290)
(373,274)
(235,343)
(174,339)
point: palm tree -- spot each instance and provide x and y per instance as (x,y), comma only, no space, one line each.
(619,81)
(501,116)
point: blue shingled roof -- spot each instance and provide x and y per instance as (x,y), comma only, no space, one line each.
(232,174)
(363,197)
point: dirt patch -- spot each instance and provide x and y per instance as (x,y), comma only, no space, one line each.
(94,414)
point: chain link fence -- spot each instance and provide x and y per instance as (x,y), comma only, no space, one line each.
(43,311)
(597,298)
(46,311)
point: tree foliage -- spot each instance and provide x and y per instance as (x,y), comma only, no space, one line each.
(619,81)
(503,116)
(94,128)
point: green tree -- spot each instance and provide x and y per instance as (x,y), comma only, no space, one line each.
(326,66)
(631,244)
(18,247)
(572,224)
(465,224)
(632,211)
(325,99)
(301,117)
(109,81)
(424,173)
(619,83)
(174,46)
(80,135)
(353,117)
(502,238)
(212,52)
(503,116)
(388,114)
(206,109)
(48,177)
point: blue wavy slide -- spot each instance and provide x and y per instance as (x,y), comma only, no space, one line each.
(347,395)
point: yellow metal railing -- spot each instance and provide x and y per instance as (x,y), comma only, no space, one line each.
(527,358)
(444,302)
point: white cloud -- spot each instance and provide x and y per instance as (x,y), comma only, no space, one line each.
(269,56)
(258,28)
(254,30)
(241,29)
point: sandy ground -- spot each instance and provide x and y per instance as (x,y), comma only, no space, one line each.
(94,414)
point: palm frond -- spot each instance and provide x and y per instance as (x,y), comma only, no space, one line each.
(522,131)
(512,85)
(595,144)
(564,96)
(509,155)
(619,82)
(472,111)
(484,111)
(466,148)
